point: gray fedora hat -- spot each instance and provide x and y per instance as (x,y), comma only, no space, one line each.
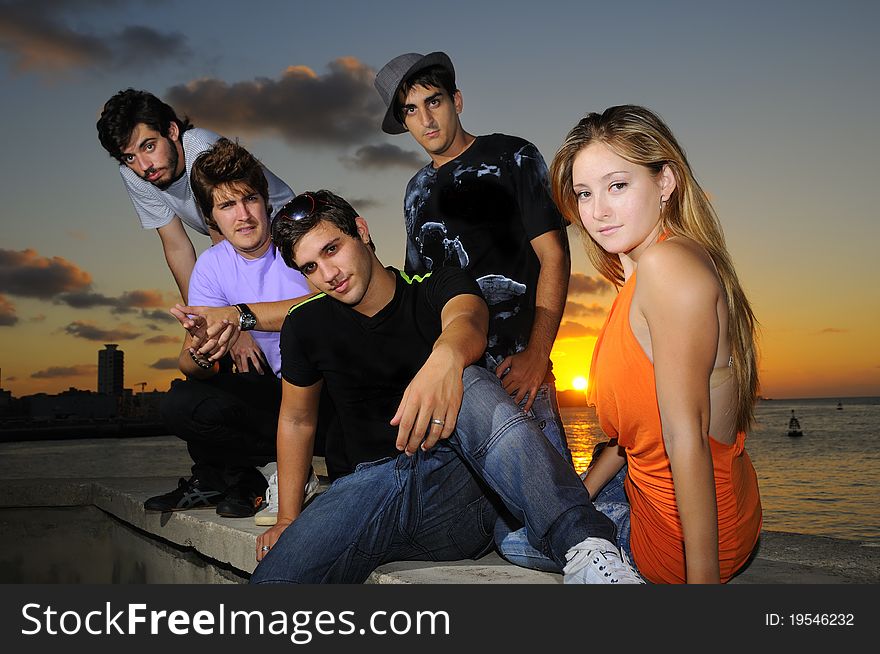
(392,75)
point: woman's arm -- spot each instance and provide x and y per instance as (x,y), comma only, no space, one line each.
(678,295)
(604,467)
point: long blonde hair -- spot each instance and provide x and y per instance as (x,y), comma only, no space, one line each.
(641,137)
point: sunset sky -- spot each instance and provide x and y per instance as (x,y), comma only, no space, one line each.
(776,104)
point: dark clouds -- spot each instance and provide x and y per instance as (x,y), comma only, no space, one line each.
(7,313)
(833,330)
(340,107)
(125,303)
(25,273)
(382,156)
(161,315)
(162,340)
(169,363)
(571,329)
(92,332)
(54,372)
(41,38)
(578,310)
(581,284)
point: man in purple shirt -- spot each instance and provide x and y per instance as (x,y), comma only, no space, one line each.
(228,419)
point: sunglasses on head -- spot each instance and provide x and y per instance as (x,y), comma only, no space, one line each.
(299,208)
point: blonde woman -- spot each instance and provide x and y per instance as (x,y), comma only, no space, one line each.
(674,373)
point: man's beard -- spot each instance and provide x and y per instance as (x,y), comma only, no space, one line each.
(172,166)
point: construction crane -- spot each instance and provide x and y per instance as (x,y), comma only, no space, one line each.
(142,385)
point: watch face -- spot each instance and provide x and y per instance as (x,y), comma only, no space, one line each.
(247,321)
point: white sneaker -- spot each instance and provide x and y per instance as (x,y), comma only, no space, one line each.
(598,561)
(269,515)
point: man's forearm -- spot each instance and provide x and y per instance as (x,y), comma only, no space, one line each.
(297,423)
(551,292)
(179,254)
(465,324)
(463,340)
(270,315)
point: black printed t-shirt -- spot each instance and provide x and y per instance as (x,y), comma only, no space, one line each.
(479,212)
(367,362)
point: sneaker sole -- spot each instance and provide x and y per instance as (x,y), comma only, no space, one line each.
(186,508)
(263,519)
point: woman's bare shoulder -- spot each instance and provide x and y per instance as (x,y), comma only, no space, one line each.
(676,267)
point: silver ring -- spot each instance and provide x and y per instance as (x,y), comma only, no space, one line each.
(265,548)
(437,421)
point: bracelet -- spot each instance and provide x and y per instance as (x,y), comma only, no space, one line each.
(201,363)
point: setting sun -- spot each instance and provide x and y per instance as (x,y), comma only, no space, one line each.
(579,383)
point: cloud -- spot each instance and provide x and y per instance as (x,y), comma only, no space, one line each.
(161,315)
(7,313)
(92,332)
(833,330)
(581,284)
(340,107)
(86,300)
(54,372)
(169,363)
(40,38)
(383,156)
(125,303)
(571,329)
(162,340)
(25,273)
(578,310)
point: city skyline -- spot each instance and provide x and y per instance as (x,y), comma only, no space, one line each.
(774,103)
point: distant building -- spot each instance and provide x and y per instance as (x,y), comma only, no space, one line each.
(110,370)
(72,404)
(146,406)
(6,402)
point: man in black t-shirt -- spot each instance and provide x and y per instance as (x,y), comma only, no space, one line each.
(483,205)
(436,444)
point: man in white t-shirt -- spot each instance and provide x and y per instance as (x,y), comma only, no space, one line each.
(155,150)
(228,419)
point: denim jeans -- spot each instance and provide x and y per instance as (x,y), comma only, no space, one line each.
(545,411)
(611,501)
(440,505)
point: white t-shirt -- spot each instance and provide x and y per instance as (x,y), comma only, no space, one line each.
(156,208)
(222,277)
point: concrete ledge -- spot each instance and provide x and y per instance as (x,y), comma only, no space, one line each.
(781,558)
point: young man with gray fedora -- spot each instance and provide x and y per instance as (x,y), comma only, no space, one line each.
(483,204)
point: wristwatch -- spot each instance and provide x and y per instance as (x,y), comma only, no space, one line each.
(246,318)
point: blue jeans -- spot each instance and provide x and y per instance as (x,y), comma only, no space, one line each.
(440,505)
(545,411)
(611,501)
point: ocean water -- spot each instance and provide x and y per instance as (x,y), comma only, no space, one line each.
(825,483)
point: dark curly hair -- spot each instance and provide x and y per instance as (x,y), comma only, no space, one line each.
(128,108)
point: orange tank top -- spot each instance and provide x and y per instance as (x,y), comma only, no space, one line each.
(623,389)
